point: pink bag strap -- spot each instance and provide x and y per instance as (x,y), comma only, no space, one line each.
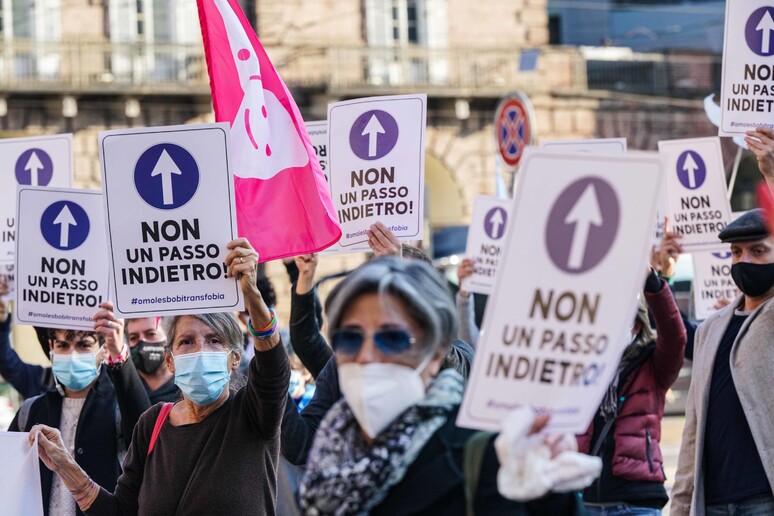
(163,414)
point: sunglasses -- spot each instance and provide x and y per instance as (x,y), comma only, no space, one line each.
(389,342)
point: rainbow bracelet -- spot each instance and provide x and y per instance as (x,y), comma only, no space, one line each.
(265,332)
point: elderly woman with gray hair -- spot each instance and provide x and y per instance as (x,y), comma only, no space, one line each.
(216,450)
(391,445)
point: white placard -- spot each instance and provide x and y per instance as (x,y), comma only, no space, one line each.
(597,146)
(695,185)
(318,134)
(169,199)
(61,257)
(377,165)
(20,474)
(712,282)
(39,161)
(486,236)
(747,94)
(566,290)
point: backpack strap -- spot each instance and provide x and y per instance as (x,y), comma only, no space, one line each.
(166,408)
(24,412)
(475,449)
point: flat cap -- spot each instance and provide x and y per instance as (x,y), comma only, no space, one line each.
(749,226)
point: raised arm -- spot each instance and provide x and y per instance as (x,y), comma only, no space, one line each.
(761,143)
(28,379)
(131,394)
(269,373)
(298,429)
(466,313)
(305,336)
(670,333)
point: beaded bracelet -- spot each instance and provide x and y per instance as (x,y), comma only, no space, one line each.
(122,356)
(265,332)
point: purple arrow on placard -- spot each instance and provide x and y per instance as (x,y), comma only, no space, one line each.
(582,225)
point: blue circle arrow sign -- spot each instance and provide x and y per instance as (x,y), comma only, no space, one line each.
(166,176)
(64,225)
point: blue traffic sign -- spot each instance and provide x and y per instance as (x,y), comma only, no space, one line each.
(34,167)
(373,135)
(166,176)
(64,225)
(691,170)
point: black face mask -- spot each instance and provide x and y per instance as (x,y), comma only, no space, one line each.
(753,279)
(148,356)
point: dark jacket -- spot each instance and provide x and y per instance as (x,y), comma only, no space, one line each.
(632,461)
(308,343)
(225,464)
(97,442)
(30,380)
(435,483)
(298,428)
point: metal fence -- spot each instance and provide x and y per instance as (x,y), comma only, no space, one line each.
(99,66)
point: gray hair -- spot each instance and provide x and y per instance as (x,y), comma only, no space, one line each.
(419,289)
(224,325)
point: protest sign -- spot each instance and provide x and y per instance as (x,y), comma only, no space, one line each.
(695,185)
(565,293)
(318,134)
(712,282)
(747,92)
(377,162)
(19,475)
(61,257)
(39,161)
(485,242)
(597,146)
(169,199)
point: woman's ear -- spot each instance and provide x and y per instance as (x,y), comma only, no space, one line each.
(235,360)
(169,360)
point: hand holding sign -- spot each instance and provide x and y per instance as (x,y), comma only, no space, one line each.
(761,143)
(382,241)
(667,254)
(112,328)
(51,448)
(464,271)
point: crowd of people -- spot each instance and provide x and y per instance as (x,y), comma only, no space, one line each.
(230,414)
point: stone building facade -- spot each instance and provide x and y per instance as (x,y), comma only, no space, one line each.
(108,64)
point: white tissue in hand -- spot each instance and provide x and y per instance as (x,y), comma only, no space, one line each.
(573,471)
(527,470)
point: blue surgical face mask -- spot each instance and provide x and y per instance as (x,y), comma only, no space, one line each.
(202,376)
(75,371)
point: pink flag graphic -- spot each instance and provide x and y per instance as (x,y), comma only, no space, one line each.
(283,203)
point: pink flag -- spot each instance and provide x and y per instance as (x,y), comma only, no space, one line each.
(283,204)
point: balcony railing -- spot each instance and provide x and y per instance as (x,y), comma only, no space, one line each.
(137,68)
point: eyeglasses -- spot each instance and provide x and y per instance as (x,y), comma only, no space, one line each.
(389,342)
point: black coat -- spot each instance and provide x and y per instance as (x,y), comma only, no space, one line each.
(435,483)
(96,438)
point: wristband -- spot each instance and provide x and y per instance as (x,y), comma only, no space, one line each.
(265,332)
(122,356)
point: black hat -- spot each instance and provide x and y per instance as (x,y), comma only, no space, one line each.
(749,226)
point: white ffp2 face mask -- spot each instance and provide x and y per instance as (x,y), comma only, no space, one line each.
(378,393)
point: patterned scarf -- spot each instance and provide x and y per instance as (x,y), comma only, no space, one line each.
(345,476)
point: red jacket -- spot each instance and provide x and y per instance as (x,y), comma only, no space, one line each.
(637,429)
